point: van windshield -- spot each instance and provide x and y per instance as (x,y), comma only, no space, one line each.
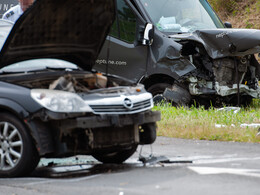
(181,15)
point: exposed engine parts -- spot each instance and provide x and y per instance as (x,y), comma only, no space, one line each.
(71,82)
(229,80)
(88,82)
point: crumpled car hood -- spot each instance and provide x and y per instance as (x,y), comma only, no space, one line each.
(72,30)
(220,43)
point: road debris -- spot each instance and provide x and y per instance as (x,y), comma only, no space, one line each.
(244,125)
(228,109)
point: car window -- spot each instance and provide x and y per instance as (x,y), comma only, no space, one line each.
(114,29)
(124,26)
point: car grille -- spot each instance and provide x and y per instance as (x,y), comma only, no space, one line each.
(121,108)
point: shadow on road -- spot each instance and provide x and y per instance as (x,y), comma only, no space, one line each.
(57,170)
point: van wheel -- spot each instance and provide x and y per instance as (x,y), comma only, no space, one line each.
(157,91)
(115,157)
(18,155)
(246,101)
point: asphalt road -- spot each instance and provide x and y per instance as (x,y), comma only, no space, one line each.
(187,167)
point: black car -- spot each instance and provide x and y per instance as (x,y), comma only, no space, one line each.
(51,102)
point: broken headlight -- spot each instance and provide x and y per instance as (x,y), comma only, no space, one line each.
(60,101)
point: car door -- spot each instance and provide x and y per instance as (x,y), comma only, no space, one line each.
(122,54)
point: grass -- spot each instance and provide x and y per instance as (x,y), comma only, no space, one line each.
(199,123)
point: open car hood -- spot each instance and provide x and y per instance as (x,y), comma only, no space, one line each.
(220,43)
(71,30)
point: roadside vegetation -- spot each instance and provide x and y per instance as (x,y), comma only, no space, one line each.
(240,13)
(209,124)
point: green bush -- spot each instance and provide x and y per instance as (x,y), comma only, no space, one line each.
(228,6)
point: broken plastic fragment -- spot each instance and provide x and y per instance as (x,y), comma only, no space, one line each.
(235,109)
(221,126)
(253,125)
(153,159)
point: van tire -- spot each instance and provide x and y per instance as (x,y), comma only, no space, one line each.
(157,91)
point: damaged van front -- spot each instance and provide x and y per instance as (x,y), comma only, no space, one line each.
(188,54)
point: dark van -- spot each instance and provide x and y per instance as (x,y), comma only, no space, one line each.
(181,51)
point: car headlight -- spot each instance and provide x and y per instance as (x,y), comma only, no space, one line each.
(60,101)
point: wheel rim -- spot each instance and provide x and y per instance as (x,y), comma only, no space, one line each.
(159,98)
(11,146)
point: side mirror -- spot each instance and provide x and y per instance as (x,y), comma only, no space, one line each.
(228,25)
(148,34)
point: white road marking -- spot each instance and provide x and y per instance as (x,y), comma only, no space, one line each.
(214,170)
(222,160)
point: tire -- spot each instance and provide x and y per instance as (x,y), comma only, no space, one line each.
(157,91)
(233,101)
(18,155)
(246,101)
(148,133)
(115,157)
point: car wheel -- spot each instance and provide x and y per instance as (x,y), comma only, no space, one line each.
(115,157)
(233,101)
(246,101)
(147,133)
(18,155)
(157,91)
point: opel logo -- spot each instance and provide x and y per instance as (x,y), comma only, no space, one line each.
(128,103)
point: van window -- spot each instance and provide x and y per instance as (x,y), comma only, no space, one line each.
(114,29)
(124,26)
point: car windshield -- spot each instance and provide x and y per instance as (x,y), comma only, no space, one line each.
(181,16)
(38,65)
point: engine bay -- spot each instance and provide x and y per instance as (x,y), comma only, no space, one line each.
(229,79)
(71,81)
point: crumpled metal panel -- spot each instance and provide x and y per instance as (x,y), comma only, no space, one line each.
(166,57)
(221,43)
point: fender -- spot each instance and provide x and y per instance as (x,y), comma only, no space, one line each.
(43,145)
(168,59)
(14,108)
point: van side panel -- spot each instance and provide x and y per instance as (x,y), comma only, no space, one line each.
(125,59)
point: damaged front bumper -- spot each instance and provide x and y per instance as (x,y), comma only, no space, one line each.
(86,134)
(244,89)
(101,121)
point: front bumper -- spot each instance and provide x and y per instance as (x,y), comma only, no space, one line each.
(225,91)
(101,121)
(84,134)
